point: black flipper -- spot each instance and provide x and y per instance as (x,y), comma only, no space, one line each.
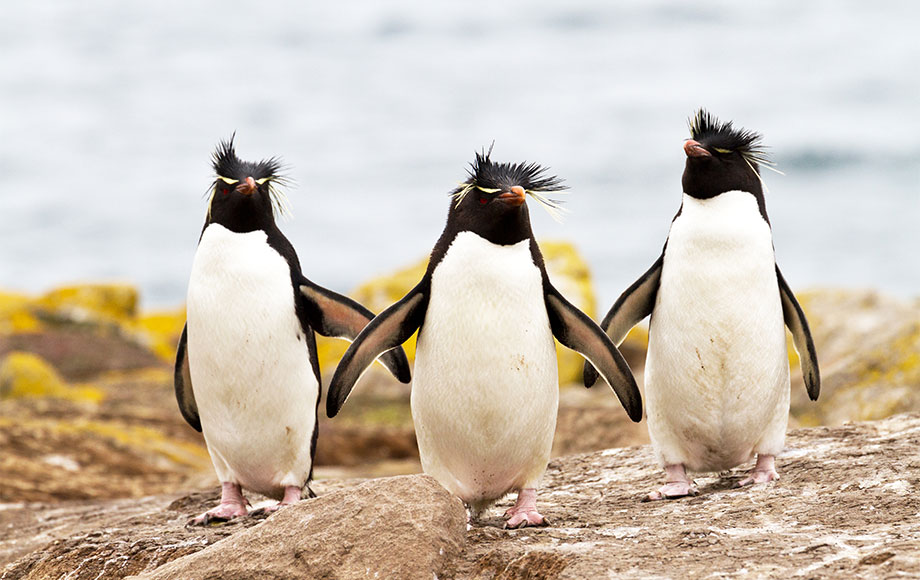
(630,308)
(389,329)
(801,337)
(576,330)
(183,383)
(332,314)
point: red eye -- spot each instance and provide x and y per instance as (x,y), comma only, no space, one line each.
(225,190)
(483,200)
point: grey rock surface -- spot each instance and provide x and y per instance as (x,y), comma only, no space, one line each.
(844,507)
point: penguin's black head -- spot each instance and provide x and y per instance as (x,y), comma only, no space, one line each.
(491,201)
(244,195)
(722,158)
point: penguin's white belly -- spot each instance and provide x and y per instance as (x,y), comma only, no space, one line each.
(717,373)
(485,393)
(250,368)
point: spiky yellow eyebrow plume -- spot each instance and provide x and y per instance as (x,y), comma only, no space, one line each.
(225,162)
(553,206)
(280,204)
(485,175)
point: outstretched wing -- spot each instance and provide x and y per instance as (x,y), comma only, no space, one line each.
(631,307)
(576,330)
(801,337)
(183,383)
(332,314)
(389,329)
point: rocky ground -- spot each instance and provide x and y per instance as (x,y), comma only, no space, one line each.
(98,471)
(843,508)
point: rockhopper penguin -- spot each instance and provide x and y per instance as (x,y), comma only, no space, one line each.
(247,374)
(717,372)
(485,395)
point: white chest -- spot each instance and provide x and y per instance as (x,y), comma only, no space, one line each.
(485,392)
(717,373)
(719,265)
(488,298)
(240,292)
(719,243)
(249,363)
(486,312)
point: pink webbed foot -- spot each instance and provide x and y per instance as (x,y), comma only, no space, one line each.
(678,485)
(292,495)
(764,471)
(524,512)
(232,505)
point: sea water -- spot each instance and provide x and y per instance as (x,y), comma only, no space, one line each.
(110,110)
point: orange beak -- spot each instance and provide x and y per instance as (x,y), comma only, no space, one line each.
(694,149)
(247,187)
(514,197)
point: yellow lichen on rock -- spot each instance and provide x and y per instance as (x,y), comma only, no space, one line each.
(16,314)
(24,374)
(92,302)
(143,439)
(885,381)
(160,331)
(379,293)
(329,351)
(868,348)
(637,337)
(570,274)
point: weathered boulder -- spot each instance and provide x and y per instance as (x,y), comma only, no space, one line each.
(400,527)
(843,508)
(869,353)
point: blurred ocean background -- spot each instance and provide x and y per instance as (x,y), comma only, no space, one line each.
(109,111)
